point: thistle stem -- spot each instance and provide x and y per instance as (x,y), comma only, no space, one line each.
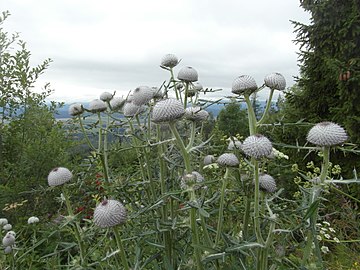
(268,105)
(221,207)
(251,115)
(121,248)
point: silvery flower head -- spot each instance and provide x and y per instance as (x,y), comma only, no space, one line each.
(234,143)
(257,146)
(9,239)
(3,221)
(106,96)
(76,109)
(192,180)
(228,160)
(117,103)
(188,74)
(327,134)
(244,84)
(32,220)
(131,110)
(169,61)
(109,213)
(97,105)
(59,176)
(167,110)
(209,159)
(275,81)
(267,183)
(7,227)
(196,114)
(142,95)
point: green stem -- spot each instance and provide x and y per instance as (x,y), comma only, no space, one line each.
(186,94)
(181,145)
(251,115)
(121,248)
(77,226)
(257,202)
(85,134)
(268,106)
(194,232)
(192,136)
(325,163)
(246,217)
(221,208)
(174,84)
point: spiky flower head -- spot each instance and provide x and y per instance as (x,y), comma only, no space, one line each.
(188,74)
(234,143)
(327,134)
(209,159)
(130,109)
(7,227)
(142,95)
(32,220)
(196,114)
(109,213)
(59,176)
(9,239)
(97,105)
(192,180)
(3,221)
(228,160)
(167,110)
(106,96)
(244,84)
(76,109)
(117,103)
(169,60)
(267,183)
(257,146)
(275,81)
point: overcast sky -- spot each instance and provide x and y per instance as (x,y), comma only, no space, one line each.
(117,45)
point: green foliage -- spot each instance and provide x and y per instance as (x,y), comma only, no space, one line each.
(32,142)
(232,120)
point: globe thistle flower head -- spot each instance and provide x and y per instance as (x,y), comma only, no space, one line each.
(97,105)
(244,84)
(59,176)
(131,110)
(234,143)
(76,109)
(209,159)
(257,146)
(109,213)
(142,95)
(7,227)
(228,160)
(196,114)
(169,61)
(167,110)
(188,74)
(3,221)
(8,240)
(32,220)
(106,96)
(117,103)
(327,134)
(192,180)
(275,81)
(267,183)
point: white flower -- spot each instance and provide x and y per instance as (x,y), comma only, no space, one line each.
(332,230)
(326,223)
(327,236)
(336,240)
(3,221)
(319,237)
(325,249)
(32,220)
(9,239)
(7,227)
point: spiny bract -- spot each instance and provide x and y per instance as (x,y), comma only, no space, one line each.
(167,110)
(59,176)
(228,159)
(109,213)
(257,146)
(244,84)
(275,81)
(327,134)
